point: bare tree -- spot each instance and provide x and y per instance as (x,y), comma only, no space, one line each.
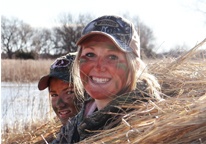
(15,35)
(42,42)
(24,35)
(8,35)
(18,36)
(67,34)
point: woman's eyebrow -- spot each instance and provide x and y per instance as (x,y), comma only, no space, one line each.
(69,87)
(90,46)
(112,50)
(52,91)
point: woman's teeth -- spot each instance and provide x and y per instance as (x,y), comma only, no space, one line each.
(63,112)
(100,80)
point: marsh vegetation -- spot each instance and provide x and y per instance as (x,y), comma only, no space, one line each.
(26,117)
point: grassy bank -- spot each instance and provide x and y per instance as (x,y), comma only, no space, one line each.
(24,70)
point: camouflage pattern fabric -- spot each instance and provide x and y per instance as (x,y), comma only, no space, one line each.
(67,133)
(106,118)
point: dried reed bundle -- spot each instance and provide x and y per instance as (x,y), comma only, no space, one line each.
(183,75)
(173,120)
(45,133)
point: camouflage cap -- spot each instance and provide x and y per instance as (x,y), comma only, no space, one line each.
(60,69)
(116,28)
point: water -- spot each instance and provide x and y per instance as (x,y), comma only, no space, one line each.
(23,102)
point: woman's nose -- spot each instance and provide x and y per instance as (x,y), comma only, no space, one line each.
(100,65)
(60,103)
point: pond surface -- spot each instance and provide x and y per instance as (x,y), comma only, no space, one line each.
(23,102)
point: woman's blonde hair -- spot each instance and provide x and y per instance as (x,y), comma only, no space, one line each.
(78,86)
(137,73)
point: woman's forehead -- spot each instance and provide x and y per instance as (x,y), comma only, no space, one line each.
(99,41)
(97,38)
(94,44)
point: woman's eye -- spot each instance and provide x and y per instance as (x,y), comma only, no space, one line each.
(113,57)
(54,95)
(70,92)
(90,55)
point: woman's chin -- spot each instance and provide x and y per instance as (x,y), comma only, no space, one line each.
(100,94)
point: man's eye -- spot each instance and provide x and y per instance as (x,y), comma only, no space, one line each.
(70,92)
(90,54)
(113,57)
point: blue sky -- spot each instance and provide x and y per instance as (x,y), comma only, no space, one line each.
(173,22)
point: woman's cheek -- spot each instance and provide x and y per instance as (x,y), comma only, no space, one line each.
(121,75)
(84,71)
(53,102)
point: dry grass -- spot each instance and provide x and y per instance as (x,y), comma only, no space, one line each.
(24,70)
(33,134)
(24,121)
(179,118)
(22,114)
(176,120)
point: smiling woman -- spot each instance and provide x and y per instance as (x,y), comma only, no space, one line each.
(103,70)
(109,68)
(60,86)
(63,99)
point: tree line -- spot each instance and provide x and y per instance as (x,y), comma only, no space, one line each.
(20,40)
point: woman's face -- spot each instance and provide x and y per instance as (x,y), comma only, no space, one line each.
(62,99)
(103,67)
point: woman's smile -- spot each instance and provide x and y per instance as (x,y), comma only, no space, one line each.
(100,80)
(64,113)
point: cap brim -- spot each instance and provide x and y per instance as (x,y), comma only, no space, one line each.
(43,82)
(118,43)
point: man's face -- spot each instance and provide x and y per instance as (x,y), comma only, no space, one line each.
(62,99)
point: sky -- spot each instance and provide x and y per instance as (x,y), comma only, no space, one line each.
(174,22)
